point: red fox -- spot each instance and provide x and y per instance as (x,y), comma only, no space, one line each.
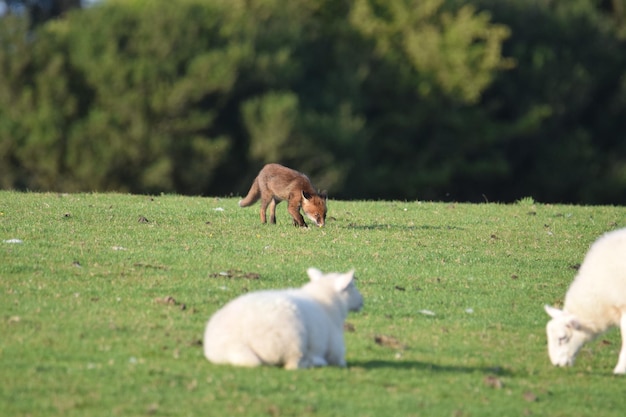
(276,183)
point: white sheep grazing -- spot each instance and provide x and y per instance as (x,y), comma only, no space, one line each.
(595,302)
(295,328)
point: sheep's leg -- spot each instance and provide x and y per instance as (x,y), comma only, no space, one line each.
(336,355)
(319,361)
(621,363)
(294,359)
(244,356)
(297,362)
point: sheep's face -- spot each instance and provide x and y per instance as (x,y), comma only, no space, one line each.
(353,297)
(565,337)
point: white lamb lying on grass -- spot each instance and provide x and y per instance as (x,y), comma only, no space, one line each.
(295,328)
(595,302)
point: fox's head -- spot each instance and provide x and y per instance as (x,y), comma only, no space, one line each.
(314,207)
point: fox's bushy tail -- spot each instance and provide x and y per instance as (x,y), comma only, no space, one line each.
(253,195)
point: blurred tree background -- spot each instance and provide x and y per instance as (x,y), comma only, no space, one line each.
(374,99)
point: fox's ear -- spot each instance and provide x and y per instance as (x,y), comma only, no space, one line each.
(323,194)
(343,281)
(314,274)
(306,196)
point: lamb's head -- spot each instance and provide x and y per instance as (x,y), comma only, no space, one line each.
(342,284)
(565,336)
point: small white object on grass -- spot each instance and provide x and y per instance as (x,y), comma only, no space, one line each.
(14,241)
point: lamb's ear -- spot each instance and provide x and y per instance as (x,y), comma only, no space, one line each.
(569,319)
(574,323)
(314,274)
(343,281)
(553,312)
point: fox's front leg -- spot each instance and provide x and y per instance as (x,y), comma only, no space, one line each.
(294,210)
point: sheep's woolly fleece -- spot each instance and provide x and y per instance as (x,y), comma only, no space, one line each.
(294,328)
(594,303)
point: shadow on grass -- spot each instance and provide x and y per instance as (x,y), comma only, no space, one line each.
(425,366)
(400,226)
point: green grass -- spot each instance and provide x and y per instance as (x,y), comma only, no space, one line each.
(83,332)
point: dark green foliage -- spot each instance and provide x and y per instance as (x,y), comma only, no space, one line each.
(562,107)
(408,99)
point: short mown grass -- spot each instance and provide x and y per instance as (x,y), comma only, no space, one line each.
(104,299)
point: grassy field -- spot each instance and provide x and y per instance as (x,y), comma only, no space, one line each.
(104,299)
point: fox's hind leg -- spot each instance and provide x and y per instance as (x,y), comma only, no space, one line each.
(273,203)
(264,204)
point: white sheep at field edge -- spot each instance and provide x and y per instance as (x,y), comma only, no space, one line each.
(295,328)
(594,302)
